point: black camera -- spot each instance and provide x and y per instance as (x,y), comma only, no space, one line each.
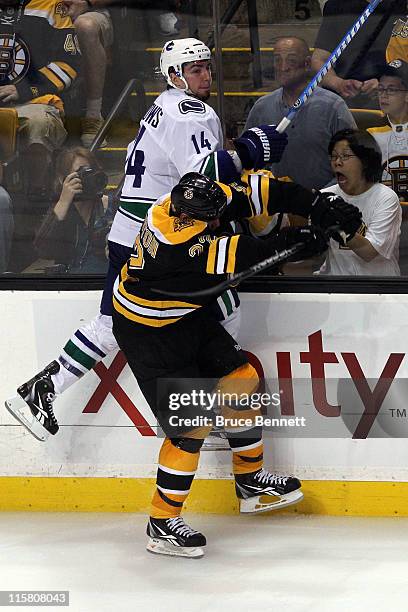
(93,182)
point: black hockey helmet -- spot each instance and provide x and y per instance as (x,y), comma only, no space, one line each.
(199,197)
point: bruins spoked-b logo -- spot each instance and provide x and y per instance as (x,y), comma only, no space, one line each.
(395,175)
(14,59)
(188,194)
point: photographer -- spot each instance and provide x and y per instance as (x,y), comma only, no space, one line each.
(73,232)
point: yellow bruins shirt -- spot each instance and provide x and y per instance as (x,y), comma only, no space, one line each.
(398,45)
(174,255)
(39,52)
(393,142)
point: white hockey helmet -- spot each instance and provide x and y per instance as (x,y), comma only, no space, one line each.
(177,52)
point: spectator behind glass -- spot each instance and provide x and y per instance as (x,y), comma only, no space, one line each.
(73,233)
(392,137)
(95,35)
(324,114)
(6,225)
(356,162)
(398,44)
(391,134)
(39,61)
(355,80)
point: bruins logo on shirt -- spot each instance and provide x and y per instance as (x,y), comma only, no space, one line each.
(179,224)
(61,9)
(395,175)
(14,59)
(400,28)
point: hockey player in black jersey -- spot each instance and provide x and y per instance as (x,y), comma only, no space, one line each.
(184,245)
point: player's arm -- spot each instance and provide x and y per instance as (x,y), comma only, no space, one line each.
(266,197)
(196,145)
(231,254)
(62,69)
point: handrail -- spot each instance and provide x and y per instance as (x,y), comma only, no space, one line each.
(132,85)
(225,20)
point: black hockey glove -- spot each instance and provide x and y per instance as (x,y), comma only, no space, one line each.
(330,210)
(313,238)
(260,145)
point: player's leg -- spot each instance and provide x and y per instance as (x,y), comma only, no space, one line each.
(167,531)
(257,489)
(167,353)
(33,406)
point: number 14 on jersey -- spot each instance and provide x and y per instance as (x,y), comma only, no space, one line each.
(204,143)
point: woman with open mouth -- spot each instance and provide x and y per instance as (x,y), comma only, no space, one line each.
(374,250)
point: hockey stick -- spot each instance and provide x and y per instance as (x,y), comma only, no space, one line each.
(234,279)
(307,92)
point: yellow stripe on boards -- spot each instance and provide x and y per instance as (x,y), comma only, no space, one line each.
(325,497)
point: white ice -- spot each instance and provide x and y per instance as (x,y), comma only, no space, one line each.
(285,563)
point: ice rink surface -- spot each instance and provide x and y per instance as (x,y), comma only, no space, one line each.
(285,563)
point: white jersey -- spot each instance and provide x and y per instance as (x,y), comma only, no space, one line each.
(381,212)
(393,142)
(176,135)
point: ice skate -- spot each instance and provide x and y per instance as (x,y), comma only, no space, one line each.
(32,407)
(174,537)
(262,491)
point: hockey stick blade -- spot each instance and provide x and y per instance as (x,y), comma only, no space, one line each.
(240,276)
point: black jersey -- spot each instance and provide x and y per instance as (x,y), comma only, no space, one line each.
(178,256)
(39,52)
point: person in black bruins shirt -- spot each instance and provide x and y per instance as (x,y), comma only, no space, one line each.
(185,245)
(354,76)
(39,60)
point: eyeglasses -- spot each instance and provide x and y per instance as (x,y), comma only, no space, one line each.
(389,91)
(342,157)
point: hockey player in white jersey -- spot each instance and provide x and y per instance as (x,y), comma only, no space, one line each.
(179,133)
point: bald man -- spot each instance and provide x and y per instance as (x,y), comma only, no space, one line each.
(305,158)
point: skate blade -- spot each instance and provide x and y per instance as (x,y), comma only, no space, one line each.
(160,547)
(265,503)
(21,411)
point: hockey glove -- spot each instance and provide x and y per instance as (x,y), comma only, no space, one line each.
(315,242)
(260,145)
(331,211)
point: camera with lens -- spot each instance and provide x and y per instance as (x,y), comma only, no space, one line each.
(93,182)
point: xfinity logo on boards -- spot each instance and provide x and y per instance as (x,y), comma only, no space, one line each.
(372,398)
(370,394)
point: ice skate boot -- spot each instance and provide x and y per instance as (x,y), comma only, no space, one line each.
(174,537)
(262,491)
(32,407)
